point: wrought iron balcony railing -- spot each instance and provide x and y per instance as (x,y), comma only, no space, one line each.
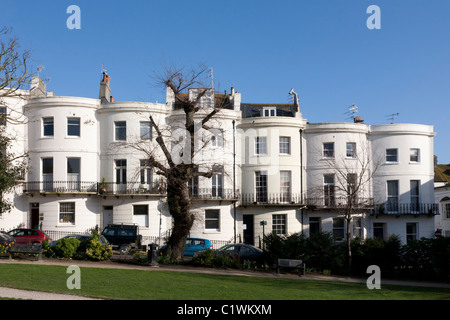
(130,188)
(271,199)
(391,208)
(339,203)
(60,187)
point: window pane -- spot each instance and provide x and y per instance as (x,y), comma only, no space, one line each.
(285,145)
(67,212)
(48,126)
(120,131)
(212,219)
(391,155)
(261,186)
(261,145)
(414,155)
(328,150)
(351,150)
(47,165)
(279,223)
(73,165)
(73,127)
(146,130)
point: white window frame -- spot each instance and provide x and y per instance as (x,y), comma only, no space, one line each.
(213,219)
(412,235)
(118,128)
(269,112)
(139,218)
(285,145)
(279,224)
(414,155)
(63,209)
(390,156)
(350,152)
(261,146)
(328,153)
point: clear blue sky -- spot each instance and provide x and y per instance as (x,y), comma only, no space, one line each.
(322,48)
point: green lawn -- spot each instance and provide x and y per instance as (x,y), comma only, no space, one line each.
(166,285)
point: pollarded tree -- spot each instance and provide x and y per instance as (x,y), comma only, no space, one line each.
(179,142)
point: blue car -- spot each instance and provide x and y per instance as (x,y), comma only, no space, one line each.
(193,245)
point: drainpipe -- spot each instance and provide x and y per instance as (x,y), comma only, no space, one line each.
(234,179)
(301,175)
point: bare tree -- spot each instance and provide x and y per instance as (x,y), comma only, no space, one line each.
(14,76)
(14,69)
(179,140)
(350,189)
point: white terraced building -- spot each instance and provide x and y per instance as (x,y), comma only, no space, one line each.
(273,171)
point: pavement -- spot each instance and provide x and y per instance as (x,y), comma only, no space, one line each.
(38,295)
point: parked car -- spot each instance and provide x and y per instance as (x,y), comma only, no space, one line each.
(28,236)
(194,245)
(6,242)
(242,252)
(123,237)
(80,237)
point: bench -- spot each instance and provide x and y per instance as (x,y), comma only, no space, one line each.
(34,249)
(291,264)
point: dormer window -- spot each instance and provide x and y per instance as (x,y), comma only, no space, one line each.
(269,112)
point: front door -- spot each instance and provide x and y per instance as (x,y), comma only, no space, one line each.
(107,216)
(34,216)
(249,234)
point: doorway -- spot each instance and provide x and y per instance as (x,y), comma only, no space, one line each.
(34,215)
(107,217)
(249,232)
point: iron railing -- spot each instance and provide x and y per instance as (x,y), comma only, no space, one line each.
(271,199)
(60,187)
(338,203)
(391,208)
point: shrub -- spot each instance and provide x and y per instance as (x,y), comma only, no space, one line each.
(67,247)
(210,258)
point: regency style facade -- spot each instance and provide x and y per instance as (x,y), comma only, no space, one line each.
(273,171)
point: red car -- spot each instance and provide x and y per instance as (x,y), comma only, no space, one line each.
(28,236)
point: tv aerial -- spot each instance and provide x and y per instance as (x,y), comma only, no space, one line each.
(392,116)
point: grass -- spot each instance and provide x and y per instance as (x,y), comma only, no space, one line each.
(166,285)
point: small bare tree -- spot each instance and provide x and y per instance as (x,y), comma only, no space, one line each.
(178,142)
(350,191)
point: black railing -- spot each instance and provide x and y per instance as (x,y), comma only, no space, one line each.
(339,203)
(406,208)
(214,193)
(129,188)
(60,187)
(133,188)
(271,199)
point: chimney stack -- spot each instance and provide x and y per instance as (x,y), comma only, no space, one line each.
(105,90)
(37,88)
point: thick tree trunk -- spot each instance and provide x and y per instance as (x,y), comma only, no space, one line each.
(179,203)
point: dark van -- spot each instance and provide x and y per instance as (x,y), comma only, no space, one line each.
(123,237)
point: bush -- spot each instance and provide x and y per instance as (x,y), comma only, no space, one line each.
(209,258)
(67,247)
(94,250)
(90,249)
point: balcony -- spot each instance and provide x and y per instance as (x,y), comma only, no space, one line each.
(390,208)
(272,199)
(339,203)
(58,187)
(213,194)
(104,189)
